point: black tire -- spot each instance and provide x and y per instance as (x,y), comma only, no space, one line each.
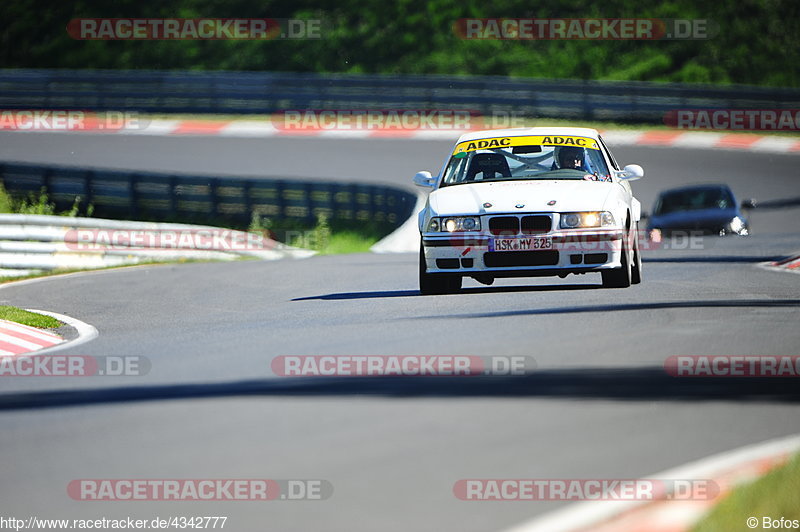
(436,283)
(620,277)
(636,269)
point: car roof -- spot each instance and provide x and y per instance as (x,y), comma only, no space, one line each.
(523,131)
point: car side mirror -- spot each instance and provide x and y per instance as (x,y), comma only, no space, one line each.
(631,172)
(749,204)
(424,179)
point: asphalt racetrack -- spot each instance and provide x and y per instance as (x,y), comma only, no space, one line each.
(599,404)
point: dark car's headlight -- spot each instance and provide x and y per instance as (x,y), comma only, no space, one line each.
(452,224)
(738,226)
(575,220)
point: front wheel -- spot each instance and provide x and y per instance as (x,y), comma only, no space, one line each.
(620,277)
(436,283)
(636,269)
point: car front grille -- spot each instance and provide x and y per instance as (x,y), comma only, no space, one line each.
(514,225)
(538,223)
(504,225)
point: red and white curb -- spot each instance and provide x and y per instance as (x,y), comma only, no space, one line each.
(791,265)
(264,128)
(703,140)
(85,332)
(18,339)
(727,470)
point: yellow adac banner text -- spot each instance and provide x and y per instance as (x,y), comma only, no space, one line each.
(536,140)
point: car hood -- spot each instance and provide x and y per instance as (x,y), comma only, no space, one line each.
(697,219)
(503,197)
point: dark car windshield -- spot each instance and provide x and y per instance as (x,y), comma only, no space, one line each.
(693,200)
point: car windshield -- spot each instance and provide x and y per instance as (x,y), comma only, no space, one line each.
(497,161)
(694,200)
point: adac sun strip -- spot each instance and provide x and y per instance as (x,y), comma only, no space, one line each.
(536,140)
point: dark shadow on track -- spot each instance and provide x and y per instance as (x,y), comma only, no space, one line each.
(363,295)
(724,303)
(623,384)
(473,290)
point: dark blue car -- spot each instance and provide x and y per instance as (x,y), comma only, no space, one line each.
(699,209)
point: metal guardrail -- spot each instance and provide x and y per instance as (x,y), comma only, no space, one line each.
(778,203)
(268,92)
(35,243)
(232,201)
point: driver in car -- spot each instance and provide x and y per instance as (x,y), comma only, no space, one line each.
(571,158)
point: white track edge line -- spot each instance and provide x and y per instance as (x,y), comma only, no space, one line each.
(86,332)
(586,514)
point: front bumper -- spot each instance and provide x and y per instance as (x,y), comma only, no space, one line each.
(578,251)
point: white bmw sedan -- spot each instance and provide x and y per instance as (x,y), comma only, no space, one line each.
(529,202)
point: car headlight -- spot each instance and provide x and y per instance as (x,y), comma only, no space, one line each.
(737,226)
(574,220)
(452,224)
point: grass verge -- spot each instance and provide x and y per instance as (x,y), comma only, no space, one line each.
(348,242)
(39,204)
(774,496)
(327,237)
(24,317)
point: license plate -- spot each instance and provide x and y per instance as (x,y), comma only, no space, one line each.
(520,244)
